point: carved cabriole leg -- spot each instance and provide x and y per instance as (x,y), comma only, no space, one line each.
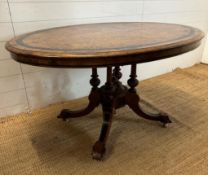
(94,100)
(132,100)
(107,102)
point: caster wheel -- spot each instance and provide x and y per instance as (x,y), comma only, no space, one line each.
(98,150)
(165,125)
(97,156)
(164,119)
(63,115)
(64,119)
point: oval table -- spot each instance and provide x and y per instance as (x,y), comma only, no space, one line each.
(109,45)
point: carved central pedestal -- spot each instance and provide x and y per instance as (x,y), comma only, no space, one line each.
(112,96)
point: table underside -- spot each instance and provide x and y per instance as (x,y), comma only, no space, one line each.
(112,95)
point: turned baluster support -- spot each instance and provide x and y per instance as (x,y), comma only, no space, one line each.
(133,82)
(117,73)
(95,81)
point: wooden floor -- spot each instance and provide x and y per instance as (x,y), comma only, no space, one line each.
(38,143)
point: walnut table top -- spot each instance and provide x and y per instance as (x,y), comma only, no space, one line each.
(103,44)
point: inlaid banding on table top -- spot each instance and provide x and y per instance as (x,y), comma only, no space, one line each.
(106,45)
(103,44)
(109,37)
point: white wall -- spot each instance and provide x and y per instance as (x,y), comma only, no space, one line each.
(24,87)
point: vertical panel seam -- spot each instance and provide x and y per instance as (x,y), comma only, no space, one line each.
(22,74)
(142,14)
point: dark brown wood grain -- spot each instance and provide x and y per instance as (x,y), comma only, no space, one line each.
(106,45)
(103,44)
(112,96)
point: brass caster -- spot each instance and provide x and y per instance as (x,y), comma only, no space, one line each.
(63,115)
(165,120)
(98,151)
(97,156)
(165,125)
